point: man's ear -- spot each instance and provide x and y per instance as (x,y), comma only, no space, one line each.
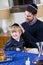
(35,14)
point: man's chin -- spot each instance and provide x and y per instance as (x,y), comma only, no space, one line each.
(27,21)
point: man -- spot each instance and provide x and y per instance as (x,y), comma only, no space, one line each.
(32,27)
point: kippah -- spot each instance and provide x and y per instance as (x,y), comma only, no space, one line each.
(15,24)
(33,6)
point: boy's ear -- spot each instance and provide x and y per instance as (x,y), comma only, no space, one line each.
(20,32)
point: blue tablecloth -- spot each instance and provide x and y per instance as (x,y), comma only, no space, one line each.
(19,58)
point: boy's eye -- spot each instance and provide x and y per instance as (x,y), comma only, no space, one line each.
(13,31)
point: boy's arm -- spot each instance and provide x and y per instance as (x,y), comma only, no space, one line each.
(6,46)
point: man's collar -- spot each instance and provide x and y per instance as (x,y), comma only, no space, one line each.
(33,22)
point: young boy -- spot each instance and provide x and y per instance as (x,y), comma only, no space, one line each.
(16,41)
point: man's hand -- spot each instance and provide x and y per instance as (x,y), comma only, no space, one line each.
(26,49)
(22,28)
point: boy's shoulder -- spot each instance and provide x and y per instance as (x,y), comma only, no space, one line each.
(9,41)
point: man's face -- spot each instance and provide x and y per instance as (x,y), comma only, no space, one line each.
(29,16)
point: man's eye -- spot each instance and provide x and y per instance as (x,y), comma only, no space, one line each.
(28,16)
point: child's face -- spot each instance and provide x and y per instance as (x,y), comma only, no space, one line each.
(15,34)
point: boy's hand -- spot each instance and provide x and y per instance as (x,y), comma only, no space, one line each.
(17,49)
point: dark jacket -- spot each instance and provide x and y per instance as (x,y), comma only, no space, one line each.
(33,33)
(12,44)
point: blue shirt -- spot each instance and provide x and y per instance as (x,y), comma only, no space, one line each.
(12,44)
(33,33)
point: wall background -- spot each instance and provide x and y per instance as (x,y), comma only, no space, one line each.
(4,4)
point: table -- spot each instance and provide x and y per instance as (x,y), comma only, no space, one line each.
(19,58)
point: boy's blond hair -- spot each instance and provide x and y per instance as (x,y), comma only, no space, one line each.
(15,27)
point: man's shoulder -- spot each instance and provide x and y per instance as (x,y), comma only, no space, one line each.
(23,23)
(39,21)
